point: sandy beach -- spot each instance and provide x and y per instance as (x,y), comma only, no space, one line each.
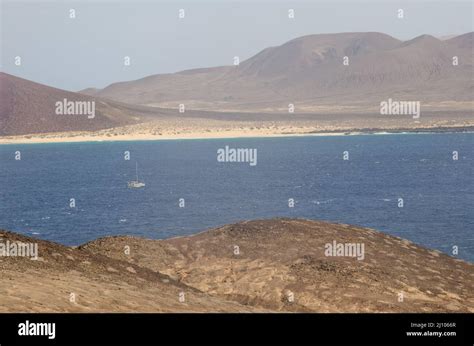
(99,137)
(196,128)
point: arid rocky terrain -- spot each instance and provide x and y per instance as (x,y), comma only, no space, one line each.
(253,98)
(272,265)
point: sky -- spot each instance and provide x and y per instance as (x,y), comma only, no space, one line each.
(89,50)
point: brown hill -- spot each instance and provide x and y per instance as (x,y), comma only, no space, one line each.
(309,70)
(27,107)
(280,265)
(98,283)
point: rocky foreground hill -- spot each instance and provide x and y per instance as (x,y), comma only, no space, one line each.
(268,265)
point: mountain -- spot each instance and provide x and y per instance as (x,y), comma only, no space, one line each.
(27,107)
(309,70)
(263,265)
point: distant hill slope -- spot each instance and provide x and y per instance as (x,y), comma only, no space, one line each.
(310,70)
(264,265)
(28,107)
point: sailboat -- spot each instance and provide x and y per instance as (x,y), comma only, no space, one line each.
(136,184)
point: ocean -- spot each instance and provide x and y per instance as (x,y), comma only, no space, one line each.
(407,185)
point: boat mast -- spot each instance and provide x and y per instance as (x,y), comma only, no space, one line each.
(136,168)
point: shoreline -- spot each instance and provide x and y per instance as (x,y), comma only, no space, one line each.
(86,138)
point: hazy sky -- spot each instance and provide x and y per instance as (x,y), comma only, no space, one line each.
(89,51)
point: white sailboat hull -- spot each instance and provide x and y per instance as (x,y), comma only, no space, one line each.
(135,184)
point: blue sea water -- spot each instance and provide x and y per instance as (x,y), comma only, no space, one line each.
(437,191)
